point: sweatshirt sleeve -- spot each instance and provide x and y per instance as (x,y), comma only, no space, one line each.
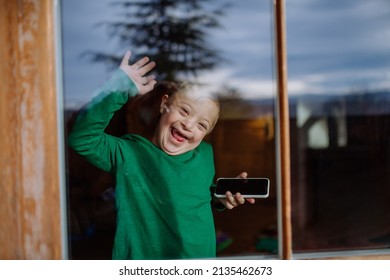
(88,137)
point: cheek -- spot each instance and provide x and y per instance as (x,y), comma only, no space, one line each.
(199,136)
(161,128)
(165,120)
(165,123)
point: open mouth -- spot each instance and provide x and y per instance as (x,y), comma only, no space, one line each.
(178,136)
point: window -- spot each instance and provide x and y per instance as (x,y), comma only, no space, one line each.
(340,124)
(243,140)
(339,100)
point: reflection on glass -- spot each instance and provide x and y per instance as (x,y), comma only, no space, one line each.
(339,71)
(237,67)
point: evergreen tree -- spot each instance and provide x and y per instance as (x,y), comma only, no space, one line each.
(173,33)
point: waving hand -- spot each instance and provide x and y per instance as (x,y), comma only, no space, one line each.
(137,71)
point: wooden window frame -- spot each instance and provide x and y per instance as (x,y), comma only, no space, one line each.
(283,157)
(282,134)
(33,221)
(32,192)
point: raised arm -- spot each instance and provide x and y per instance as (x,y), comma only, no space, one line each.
(88,137)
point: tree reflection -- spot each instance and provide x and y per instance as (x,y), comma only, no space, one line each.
(173,33)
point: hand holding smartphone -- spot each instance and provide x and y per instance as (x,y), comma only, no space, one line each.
(248,187)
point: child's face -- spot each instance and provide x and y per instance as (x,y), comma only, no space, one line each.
(184,122)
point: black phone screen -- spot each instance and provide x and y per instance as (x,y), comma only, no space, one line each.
(247,186)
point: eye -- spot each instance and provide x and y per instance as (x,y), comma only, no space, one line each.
(184,111)
(203,126)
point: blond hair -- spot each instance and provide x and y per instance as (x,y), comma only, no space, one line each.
(195,91)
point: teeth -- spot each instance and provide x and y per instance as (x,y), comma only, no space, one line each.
(177,132)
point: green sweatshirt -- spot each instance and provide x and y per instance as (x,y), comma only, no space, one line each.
(163,201)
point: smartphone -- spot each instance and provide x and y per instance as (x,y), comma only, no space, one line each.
(247,187)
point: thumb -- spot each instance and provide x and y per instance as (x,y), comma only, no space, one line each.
(126,57)
(243,175)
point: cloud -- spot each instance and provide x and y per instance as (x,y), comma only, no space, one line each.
(346,42)
(333,46)
(246,43)
(246,34)
(248,87)
(79,34)
(244,40)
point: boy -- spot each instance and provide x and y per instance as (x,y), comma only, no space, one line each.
(163,183)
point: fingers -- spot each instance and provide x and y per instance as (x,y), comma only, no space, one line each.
(142,62)
(145,68)
(233,200)
(239,199)
(150,84)
(137,71)
(251,200)
(147,79)
(143,65)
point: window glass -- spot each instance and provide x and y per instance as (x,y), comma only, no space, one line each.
(234,60)
(339,70)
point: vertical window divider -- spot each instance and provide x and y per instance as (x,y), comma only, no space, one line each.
(282,135)
(61,128)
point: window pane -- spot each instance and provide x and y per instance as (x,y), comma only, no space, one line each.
(241,76)
(339,70)
(244,138)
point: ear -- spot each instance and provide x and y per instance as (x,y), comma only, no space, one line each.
(164,103)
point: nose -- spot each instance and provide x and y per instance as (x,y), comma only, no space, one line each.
(188,124)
